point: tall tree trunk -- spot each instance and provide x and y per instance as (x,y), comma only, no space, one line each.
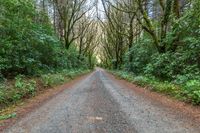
(131,37)
(165,24)
(54,17)
(176,11)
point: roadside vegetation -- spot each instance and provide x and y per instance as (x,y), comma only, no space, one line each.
(187,92)
(40,49)
(22,87)
(44,43)
(155,43)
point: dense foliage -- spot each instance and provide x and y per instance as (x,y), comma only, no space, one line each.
(171,65)
(28,43)
(162,42)
(23,87)
(188,92)
(33,55)
(180,67)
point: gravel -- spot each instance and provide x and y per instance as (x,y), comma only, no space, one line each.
(100,105)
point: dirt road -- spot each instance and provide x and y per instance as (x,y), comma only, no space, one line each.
(98,104)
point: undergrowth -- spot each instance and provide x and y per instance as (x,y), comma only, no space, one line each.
(187,92)
(22,87)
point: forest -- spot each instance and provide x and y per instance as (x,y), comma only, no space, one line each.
(43,43)
(154,43)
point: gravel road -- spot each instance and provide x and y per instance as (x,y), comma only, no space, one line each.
(98,104)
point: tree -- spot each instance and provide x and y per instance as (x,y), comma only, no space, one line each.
(70,12)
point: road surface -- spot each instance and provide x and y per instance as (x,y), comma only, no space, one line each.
(98,104)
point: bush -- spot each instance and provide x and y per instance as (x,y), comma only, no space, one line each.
(141,80)
(2,95)
(171,66)
(141,54)
(24,88)
(160,66)
(50,80)
(73,60)
(166,88)
(191,91)
(30,47)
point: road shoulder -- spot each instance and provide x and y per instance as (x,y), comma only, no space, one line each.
(24,108)
(189,111)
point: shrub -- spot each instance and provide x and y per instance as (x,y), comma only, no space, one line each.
(141,54)
(30,47)
(166,88)
(50,80)
(13,115)
(171,66)
(191,91)
(188,91)
(2,95)
(24,88)
(141,80)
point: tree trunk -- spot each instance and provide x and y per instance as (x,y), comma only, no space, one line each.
(176,11)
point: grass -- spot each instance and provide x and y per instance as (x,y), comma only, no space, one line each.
(4,117)
(22,88)
(187,92)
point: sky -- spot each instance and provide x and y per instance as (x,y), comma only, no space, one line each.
(96,10)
